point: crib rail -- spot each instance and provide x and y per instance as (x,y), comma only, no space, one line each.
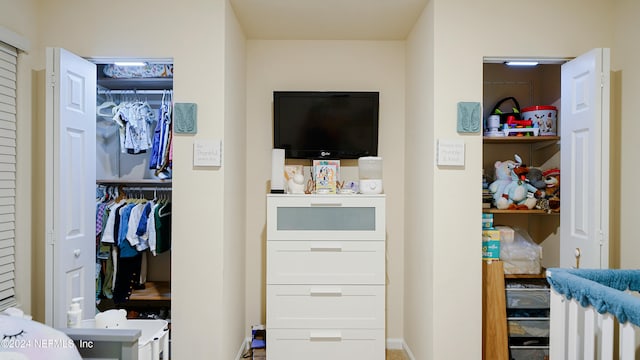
(586,305)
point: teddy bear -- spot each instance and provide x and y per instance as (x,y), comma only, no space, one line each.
(509,190)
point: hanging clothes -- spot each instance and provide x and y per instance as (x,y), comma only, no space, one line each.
(160,160)
(134,119)
(126,228)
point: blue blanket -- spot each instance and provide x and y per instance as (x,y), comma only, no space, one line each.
(602,289)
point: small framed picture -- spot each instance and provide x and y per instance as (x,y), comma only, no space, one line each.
(326,174)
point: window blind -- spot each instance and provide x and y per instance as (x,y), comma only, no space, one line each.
(8,69)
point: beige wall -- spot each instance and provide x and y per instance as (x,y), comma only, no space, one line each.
(419,330)
(460,40)
(235,181)
(202,38)
(324,65)
(20,17)
(625,56)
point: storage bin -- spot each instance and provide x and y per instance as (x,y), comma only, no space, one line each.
(529,353)
(528,327)
(153,341)
(527,298)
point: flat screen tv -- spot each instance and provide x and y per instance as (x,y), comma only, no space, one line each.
(326,124)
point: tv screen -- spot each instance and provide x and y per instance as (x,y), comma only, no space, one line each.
(326,124)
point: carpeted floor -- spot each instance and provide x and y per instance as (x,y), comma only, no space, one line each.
(396,355)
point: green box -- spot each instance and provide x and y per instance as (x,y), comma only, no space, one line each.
(490,244)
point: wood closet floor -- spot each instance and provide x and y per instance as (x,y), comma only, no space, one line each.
(396,355)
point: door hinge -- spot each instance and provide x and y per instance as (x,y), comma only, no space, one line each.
(50,238)
(52,80)
(601,237)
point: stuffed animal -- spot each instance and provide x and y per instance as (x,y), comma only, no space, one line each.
(509,190)
(536,178)
(552,178)
(111,319)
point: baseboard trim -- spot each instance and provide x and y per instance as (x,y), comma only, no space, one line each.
(400,344)
(407,350)
(394,344)
(243,347)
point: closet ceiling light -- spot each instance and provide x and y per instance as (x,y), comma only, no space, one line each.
(521,63)
(130,63)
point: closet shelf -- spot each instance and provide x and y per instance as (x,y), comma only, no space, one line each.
(137,83)
(153,291)
(134,182)
(542,275)
(522,212)
(518,139)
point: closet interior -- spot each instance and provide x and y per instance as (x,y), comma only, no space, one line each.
(134,107)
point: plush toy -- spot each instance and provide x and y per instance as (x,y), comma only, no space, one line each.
(552,178)
(509,190)
(536,178)
(295,184)
(111,319)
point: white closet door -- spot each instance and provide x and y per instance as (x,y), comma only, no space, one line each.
(71,178)
(585,161)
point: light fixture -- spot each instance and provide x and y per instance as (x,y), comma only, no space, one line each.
(130,63)
(520,63)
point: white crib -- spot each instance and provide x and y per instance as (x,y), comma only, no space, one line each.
(586,305)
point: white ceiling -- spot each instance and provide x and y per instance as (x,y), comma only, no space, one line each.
(328,19)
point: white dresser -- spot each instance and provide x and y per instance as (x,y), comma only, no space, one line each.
(325,277)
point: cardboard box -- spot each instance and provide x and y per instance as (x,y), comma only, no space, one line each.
(490,244)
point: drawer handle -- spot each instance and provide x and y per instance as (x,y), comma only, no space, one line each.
(333,247)
(325,336)
(331,204)
(325,292)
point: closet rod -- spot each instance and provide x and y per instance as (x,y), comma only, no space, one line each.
(145,188)
(134,92)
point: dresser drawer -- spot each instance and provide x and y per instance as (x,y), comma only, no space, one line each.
(326,262)
(325,306)
(336,344)
(343,217)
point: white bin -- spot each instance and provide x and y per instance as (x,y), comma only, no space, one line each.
(154,337)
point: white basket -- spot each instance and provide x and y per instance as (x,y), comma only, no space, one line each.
(154,337)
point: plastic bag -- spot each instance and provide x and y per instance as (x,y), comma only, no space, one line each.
(522,256)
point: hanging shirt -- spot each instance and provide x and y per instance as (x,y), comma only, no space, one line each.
(163,228)
(134,119)
(108,235)
(126,250)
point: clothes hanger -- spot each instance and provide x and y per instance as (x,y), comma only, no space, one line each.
(107,104)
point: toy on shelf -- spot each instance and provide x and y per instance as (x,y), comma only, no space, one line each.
(551,202)
(510,189)
(514,127)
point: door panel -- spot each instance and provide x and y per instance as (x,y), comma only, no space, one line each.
(70,199)
(584,161)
